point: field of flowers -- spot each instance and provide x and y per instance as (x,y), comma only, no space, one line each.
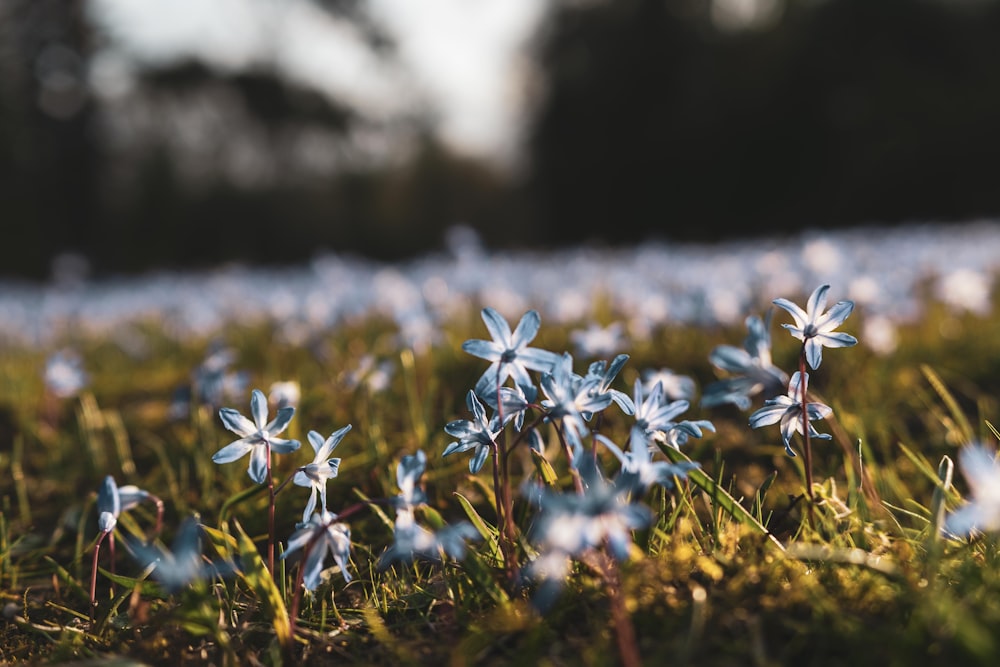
(751,453)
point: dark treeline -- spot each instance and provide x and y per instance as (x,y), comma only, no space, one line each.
(652,122)
(842,112)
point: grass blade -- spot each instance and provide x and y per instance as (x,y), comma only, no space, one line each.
(719,495)
(262,584)
(488,532)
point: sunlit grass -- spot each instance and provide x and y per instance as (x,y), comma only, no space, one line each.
(868,582)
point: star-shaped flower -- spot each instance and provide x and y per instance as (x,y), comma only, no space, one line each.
(408,473)
(572,523)
(816,328)
(322,468)
(411,539)
(788,410)
(112,500)
(753,372)
(982,472)
(639,471)
(321,536)
(479,434)
(572,399)
(600,375)
(654,418)
(184,563)
(257,437)
(508,353)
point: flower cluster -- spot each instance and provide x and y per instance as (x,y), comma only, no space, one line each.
(598,515)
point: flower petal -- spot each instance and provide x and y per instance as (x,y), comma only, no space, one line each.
(526,330)
(233,451)
(332,442)
(313,567)
(310,505)
(731,359)
(478,459)
(837,339)
(236,422)
(834,317)
(814,352)
(282,446)
(767,415)
(799,315)
(817,302)
(280,421)
(537,359)
(498,327)
(487,384)
(484,349)
(258,464)
(131,495)
(258,408)
(108,499)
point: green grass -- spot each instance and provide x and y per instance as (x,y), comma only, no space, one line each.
(866,583)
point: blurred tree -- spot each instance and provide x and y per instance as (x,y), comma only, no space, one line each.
(47,150)
(192,164)
(658,120)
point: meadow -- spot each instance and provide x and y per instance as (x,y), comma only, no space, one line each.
(564,540)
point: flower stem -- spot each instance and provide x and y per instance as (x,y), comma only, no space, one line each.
(501,487)
(628,647)
(270,514)
(93,576)
(293,611)
(807,445)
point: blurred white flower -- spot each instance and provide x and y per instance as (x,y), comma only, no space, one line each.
(598,341)
(966,289)
(64,374)
(285,394)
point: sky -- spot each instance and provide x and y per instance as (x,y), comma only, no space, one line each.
(464,58)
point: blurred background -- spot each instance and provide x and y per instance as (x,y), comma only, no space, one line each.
(141,134)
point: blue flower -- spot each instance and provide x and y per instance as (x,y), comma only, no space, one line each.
(183,564)
(570,524)
(257,437)
(322,468)
(571,399)
(815,328)
(982,472)
(754,372)
(639,471)
(479,434)
(322,535)
(508,352)
(597,340)
(408,473)
(654,418)
(788,410)
(213,380)
(600,375)
(675,386)
(64,374)
(112,500)
(411,540)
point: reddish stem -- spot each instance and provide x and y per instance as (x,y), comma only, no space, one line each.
(93,576)
(628,646)
(270,514)
(807,445)
(293,612)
